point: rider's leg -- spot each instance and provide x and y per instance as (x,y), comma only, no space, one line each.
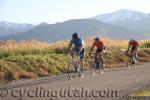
(96,59)
(82,54)
(136,56)
(102,58)
(136,52)
(82,64)
(98,56)
(132,54)
(129,60)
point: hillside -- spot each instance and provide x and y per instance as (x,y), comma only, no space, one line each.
(141,26)
(133,20)
(85,27)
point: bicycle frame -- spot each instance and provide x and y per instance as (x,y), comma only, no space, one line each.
(75,66)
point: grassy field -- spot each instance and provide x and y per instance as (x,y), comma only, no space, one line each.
(32,59)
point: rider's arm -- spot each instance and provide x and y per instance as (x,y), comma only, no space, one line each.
(80,48)
(92,48)
(69,47)
(138,44)
(129,47)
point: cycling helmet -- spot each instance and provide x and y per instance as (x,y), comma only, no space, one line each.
(132,39)
(97,39)
(75,35)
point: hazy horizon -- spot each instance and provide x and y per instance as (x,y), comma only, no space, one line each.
(53,11)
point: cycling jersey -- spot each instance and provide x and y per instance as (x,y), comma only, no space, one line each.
(134,44)
(77,43)
(99,44)
(76,49)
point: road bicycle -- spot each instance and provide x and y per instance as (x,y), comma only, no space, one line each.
(132,60)
(74,67)
(96,64)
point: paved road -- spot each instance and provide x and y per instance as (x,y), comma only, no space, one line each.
(114,82)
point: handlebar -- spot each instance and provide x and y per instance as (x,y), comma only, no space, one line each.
(69,53)
(93,53)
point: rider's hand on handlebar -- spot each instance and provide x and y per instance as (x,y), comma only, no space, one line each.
(127,52)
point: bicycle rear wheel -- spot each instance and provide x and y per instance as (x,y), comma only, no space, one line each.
(72,69)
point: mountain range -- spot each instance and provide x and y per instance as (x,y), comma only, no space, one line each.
(122,15)
(134,20)
(122,24)
(7,28)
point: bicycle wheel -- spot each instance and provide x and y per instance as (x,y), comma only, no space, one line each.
(129,62)
(100,66)
(133,60)
(93,67)
(72,69)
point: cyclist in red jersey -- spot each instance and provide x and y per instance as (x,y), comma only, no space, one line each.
(133,47)
(100,49)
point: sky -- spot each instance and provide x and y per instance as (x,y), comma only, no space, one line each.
(52,11)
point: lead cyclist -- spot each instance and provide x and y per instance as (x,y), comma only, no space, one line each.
(78,49)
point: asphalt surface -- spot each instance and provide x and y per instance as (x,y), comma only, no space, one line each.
(113,84)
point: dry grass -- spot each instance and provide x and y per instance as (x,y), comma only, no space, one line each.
(31,59)
(12,45)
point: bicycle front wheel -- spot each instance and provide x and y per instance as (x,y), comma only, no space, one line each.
(93,67)
(72,70)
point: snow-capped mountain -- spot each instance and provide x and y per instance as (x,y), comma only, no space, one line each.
(122,16)
(7,28)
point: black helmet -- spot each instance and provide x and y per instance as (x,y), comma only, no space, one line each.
(75,35)
(97,39)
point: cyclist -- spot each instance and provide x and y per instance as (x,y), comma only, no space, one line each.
(99,51)
(79,49)
(133,48)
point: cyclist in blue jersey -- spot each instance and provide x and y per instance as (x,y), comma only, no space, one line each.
(78,49)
